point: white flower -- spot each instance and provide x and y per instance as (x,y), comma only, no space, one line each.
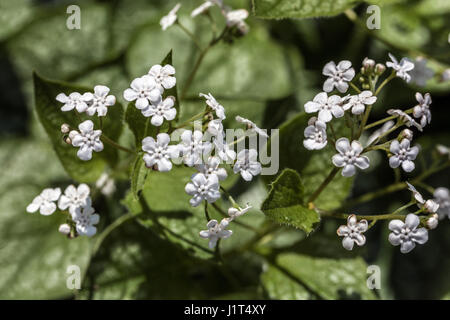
(401,68)
(160,110)
(87,140)
(446,75)
(192,147)
(236,18)
(338,76)
(349,157)
(433,222)
(217,107)
(159,152)
(251,126)
(422,110)
(358,103)
(353,232)
(144,90)
(442,197)
(74,198)
(170,18)
(443,150)
(247,164)
(85,218)
(215,127)
(406,118)
(64,229)
(216,231)
(406,234)
(45,202)
(378,133)
(223,150)
(74,100)
(403,155)
(99,101)
(421,73)
(315,136)
(212,167)
(202,8)
(203,188)
(417,195)
(237,212)
(326,106)
(163,76)
(105,184)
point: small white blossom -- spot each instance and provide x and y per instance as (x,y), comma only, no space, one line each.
(403,154)
(315,136)
(237,212)
(170,18)
(193,147)
(105,184)
(378,133)
(160,110)
(401,68)
(223,150)
(442,197)
(215,127)
(406,134)
(212,167)
(353,232)
(144,90)
(338,76)
(74,198)
(88,140)
(251,126)
(216,231)
(359,102)
(430,206)
(326,106)
(159,152)
(446,75)
(421,73)
(443,150)
(203,188)
(247,164)
(406,118)
(202,8)
(422,110)
(349,157)
(433,222)
(85,218)
(45,201)
(217,107)
(163,76)
(99,101)
(74,101)
(64,229)
(236,18)
(406,234)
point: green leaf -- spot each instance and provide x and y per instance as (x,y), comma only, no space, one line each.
(280,9)
(313,166)
(51,117)
(34,256)
(138,176)
(285,203)
(324,277)
(13,16)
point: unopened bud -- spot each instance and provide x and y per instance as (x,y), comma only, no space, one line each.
(366,86)
(65,128)
(312,121)
(368,64)
(64,229)
(431,206)
(433,222)
(442,150)
(362,80)
(406,134)
(379,69)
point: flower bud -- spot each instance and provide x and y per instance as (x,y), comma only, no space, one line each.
(312,121)
(366,86)
(431,206)
(67,139)
(65,128)
(446,75)
(64,229)
(442,150)
(368,64)
(379,69)
(406,134)
(433,222)
(232,211)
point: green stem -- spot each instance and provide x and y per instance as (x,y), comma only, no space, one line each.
(324,184)
(188,121)
(208,218)
(355,87)
(385,82)
(194,72)
(115,144)
(376,123)
(190,34)
(239,223)
(364,121)
(234,204)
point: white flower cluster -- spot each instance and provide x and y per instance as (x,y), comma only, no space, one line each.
(218,230)
(233,18)
(76,200)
